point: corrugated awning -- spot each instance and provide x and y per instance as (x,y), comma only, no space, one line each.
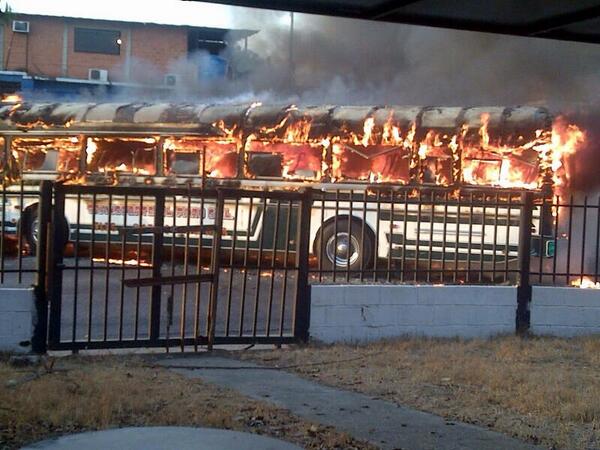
(571,20)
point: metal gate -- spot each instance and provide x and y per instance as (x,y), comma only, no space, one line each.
(176,267)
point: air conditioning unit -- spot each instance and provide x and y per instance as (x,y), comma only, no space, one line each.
(170,79)
(20,26)
(98,75)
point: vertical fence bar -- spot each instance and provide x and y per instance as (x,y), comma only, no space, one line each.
(215,269)
(470,242)
(198,299)
(571,207)
(391,238)
(259,266)
(22,218)
(418,235)
(524,287)
(231,266)
(456,240)
(91,279)
(273,267)
(321,247)
(76,275)
(542,231)
(245,269)
(556,223)
(157,261)
(404,230)
(507,238)
(482,249)
(40,332)
(495,244)
(286,256)
(362,235)
(107,266)
(348,253)
(139,269)
(430,252)
(583,235)
(444,237)
(376,252)
(302,301)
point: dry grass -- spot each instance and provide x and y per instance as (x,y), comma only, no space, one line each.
(543,390)
(90,394)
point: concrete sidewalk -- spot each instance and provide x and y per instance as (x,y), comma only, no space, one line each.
(162,438)
(380,422)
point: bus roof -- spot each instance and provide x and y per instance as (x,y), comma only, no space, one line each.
(265,121)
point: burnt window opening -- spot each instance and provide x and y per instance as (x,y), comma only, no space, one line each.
(190,156)
(284,160)
(93,40)
(374,163)
(124,155)
(494,166)
(58,155)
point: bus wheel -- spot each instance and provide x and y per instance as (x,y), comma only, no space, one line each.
(344,250)
(31,230)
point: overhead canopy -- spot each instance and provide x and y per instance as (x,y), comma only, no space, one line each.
(571,20)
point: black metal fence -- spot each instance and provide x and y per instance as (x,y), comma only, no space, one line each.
(19,211)
(567,250)
(154,266)
(382,234)
(424,235)
(148,266)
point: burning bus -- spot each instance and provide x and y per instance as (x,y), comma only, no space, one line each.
(332,149)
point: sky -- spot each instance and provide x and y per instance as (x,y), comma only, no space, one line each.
(171,12)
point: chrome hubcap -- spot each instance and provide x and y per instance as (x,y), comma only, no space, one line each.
(342,251)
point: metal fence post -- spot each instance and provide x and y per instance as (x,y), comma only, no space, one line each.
(524,291)
(40,332)
(54,266)
(302,313)
(157,261)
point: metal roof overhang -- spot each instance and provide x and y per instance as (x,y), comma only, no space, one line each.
(570,20)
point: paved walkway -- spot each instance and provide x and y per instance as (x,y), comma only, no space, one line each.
(163,438)
(383,423)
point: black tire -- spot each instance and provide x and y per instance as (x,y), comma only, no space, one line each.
(360,253)
(31,230)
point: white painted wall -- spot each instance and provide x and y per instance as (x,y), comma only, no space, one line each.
(17,312)
(565,311)
(355,313)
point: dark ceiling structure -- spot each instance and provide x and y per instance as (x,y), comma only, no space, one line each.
(570,20)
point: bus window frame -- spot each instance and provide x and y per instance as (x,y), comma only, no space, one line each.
(113,135)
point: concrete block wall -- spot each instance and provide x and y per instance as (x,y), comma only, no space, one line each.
(349,313)
(17,312)
(565,311)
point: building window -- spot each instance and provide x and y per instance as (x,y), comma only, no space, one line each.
(91,40)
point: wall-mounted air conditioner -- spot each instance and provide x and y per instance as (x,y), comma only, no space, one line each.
(20,26)
(98,75)
(170,79)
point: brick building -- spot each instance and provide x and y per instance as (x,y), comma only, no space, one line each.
(64,56)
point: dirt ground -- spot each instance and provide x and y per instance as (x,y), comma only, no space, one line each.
(74,394)
(542,390)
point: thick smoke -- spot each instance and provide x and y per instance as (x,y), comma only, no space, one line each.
(350,61)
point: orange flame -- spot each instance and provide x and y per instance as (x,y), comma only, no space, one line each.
(586,283)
